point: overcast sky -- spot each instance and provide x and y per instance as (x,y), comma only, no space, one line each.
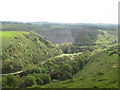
(67,11)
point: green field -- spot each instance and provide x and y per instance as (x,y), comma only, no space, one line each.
(7,36)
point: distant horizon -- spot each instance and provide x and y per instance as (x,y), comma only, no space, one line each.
(58,22)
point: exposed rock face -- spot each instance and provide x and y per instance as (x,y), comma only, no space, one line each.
(61,35)
(58,36)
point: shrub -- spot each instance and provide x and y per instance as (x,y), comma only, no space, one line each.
(65,67)
(39,81)
(100,73)
(4,82)
(33,70)
(43,70)
(46,78)
(11,81)
(35,86)
(11,66)
(29,81)
(75,67)
(66,75)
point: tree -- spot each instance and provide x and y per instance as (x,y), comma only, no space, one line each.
(35,86)
(39,81)
(29,81)
(33,70)
(66,75)
(11,81)
(65,67)
(43,70)
(45,77)
(4,82)
(75,67)
(63,73)
(11,66)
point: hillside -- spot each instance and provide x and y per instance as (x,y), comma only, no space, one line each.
(25,48)
(8,36)
(100,72)
(72,71)
(80,55)
(58,32)
(92,37)
(94,40)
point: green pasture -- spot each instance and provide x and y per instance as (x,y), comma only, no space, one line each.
(8,36)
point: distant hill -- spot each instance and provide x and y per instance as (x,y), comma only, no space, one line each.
(90,41)
(58,32)
(94,37)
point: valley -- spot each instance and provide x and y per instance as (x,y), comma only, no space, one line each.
(53,55)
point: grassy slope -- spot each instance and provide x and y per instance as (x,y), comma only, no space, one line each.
(106,38)
(93,41)
(27,48)
(7,36)
(99,37)
(101,71)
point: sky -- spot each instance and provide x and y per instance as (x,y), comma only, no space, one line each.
(62,11)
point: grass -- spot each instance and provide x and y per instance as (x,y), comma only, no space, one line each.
(100,72)
(7,36)
(106,38)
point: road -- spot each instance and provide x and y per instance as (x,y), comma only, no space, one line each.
(55,56)
(16,73)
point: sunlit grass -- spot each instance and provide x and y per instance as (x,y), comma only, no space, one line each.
(7,36)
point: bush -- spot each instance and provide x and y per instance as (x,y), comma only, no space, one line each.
(32,70)
(100,73)
(42,78)
(66,75)
(46,78)
(65,67)
(43,70)
(29,81)
(35,86)
(75,67)
(11,66)
(4,82)
(39,81)
(10,81)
